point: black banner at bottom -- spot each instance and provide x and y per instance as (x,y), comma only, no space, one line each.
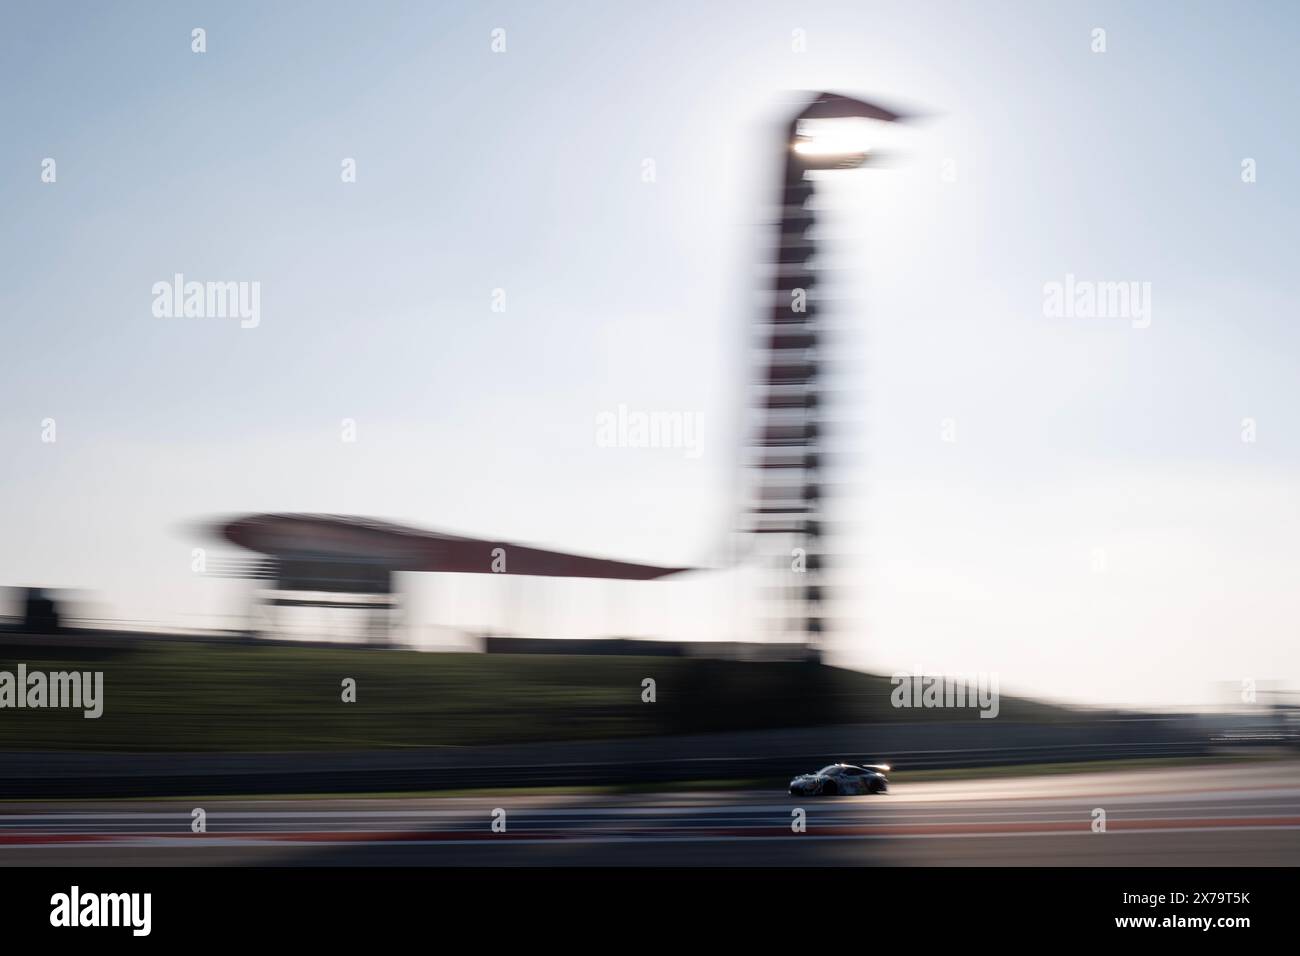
(328,906)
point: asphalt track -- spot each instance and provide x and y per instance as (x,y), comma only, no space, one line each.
(1228,815)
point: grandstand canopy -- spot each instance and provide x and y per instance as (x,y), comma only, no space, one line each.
(400,548)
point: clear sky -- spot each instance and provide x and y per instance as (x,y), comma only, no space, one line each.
(1098,529)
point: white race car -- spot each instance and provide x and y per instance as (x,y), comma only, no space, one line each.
(841,779)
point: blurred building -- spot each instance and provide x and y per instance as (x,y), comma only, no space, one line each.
(787,442)
(40,612)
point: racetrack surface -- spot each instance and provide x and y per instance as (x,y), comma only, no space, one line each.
(1238,815)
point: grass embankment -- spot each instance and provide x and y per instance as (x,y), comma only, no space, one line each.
(773,785)
(175,696)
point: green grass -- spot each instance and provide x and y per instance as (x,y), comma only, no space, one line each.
(174,696)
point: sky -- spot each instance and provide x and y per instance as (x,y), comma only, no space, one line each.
(1066,501)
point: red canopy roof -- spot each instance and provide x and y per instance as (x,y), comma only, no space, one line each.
(411,549)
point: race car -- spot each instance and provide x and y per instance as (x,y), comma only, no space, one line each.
(841,779)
